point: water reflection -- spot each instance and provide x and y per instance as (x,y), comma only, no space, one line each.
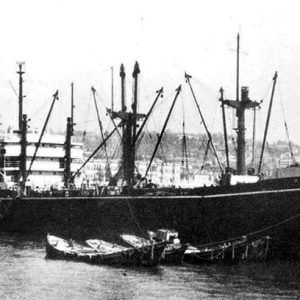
(26,274)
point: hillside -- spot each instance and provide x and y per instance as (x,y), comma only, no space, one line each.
(276,155)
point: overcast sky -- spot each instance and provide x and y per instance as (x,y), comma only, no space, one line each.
(78,41)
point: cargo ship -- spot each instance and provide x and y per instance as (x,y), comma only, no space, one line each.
(251,207)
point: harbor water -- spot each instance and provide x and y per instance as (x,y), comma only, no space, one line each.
(27,274)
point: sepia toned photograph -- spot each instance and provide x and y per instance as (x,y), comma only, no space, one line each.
(149,149)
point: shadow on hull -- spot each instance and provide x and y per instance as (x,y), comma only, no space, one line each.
(199,219)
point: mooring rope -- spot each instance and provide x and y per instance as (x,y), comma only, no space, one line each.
(254,232)
(134,218)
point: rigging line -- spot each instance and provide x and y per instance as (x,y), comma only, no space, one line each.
(93,154)
(254,232)
(40,108)
(268,145)
(253,136)
(231,121)
(286,127)
(14,90)
(209,90)
(101,130)
(55,97)
(141,144)
(118,149)
(159,119)
(145,151)
(110,148)
(85,122)
(140,140)
(267,91)
(203,141)
(184,141)
(267,121)
(265,94)
(163,129)
(216,108)
(144,91)
(162,151)
(271,153)
(147,141)
(115,148)
(205,153)
(160,105)
(88,113)
(188,77)
(110,115)
(159,94)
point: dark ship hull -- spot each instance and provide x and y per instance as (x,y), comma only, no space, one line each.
(204,215)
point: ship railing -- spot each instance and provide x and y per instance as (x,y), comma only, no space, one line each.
(13,164)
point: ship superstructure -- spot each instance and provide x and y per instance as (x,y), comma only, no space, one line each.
(38,160)
(48,167)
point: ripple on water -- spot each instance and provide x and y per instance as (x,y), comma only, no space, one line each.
(28,275)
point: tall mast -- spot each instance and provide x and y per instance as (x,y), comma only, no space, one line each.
(267,123)
(68,144)
(123,75)
(224,127)
(253,136)
(23,154)
(72,102)
(130,131)
(22,126)
(241,107)
(112,88)
(21,97)
(129,120)
(123,103)
(237,67)
(126,118)
(184,153)
(135,74)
